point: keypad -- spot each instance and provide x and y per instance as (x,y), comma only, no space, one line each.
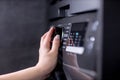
(73,34)
(75,39)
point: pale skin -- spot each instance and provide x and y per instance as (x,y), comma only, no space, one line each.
(46,63)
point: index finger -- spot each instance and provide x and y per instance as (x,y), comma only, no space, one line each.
(47,39)
(49,34)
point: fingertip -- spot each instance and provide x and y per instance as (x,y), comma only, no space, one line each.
(57,37)
(52,27)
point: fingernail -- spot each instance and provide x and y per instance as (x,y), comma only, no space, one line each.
(57,37)
(51,28)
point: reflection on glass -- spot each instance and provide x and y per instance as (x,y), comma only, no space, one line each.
(78,66)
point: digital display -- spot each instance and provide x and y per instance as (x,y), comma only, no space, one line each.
(77,33)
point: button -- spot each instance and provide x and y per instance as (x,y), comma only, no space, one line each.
(64,43)
(67,31)
(76,36)
(78,50)
(77,33)
(65,35)
(67,27)
(92,38)
(63,47)
(65,39)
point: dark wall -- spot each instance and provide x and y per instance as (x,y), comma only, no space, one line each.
(111,40)
(22,22)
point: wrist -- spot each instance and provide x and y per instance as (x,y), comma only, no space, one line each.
(40,73)
(41,70)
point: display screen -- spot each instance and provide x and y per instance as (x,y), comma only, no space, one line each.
(77,33)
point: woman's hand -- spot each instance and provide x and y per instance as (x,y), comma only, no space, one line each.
(47,61)
(48,56)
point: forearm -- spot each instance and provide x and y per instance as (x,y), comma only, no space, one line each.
(32,73)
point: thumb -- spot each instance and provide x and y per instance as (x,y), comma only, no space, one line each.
(56,43)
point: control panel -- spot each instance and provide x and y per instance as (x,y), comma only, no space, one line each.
(78,41)
(73,35)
